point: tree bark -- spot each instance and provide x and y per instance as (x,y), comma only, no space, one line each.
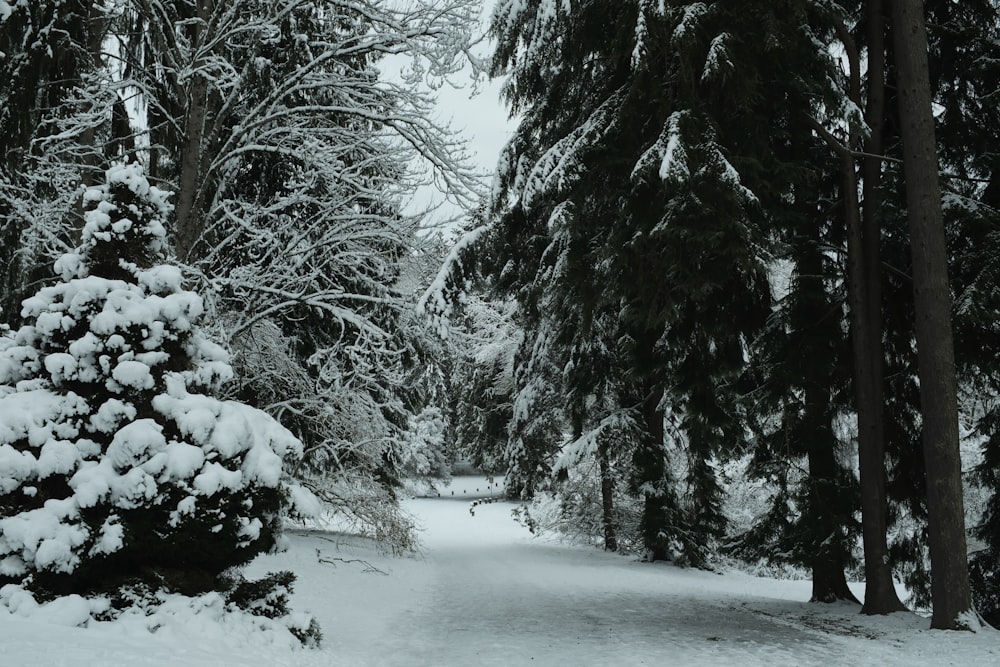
(829,583)
(187,219)
(828,560)
(864,300)
(607,498)
(950,595)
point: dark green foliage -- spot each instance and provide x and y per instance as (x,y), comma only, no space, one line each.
(985,581)
(636,189)
(266,597)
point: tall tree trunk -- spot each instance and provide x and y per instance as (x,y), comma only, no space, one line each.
(866,344)
(188,220)
(607,497)
(871,211)
(866,341)
(950,594)
(829,582)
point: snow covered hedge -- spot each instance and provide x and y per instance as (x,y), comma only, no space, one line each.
(117,465)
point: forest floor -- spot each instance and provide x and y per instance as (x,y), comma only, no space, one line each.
(483,591)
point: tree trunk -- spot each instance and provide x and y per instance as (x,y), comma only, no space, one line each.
(188,221)
(829,583)
(607,482)
(607,498)
(866,344)
(950,594)
(866,341)
(651,469)
(649,458)
(871,211)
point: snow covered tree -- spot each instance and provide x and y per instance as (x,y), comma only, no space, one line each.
(487,340)
(290,155)
(118,463)
(61,120)
(652,134)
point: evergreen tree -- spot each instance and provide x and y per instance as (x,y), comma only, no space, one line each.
(802,368)
(484,379)
(650,142)
(120,465)
(957,34)
(61,120)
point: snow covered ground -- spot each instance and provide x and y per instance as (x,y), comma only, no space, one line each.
(484,592)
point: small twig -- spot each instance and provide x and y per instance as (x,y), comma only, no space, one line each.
(333,560)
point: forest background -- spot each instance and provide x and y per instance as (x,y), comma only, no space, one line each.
(730,248)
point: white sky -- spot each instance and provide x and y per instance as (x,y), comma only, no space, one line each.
(478,115)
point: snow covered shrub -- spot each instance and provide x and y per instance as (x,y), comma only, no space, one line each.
(423,454)
(268,597)
(350,445)
(573,508)
(118,465)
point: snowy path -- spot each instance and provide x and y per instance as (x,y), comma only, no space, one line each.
(499,599)
(484,592)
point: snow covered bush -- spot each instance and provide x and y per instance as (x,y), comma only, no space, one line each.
(572,509)
(423,454)
(118,466)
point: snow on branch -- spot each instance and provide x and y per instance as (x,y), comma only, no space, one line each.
(435,303)
(691,21)
(667,150)
(7,9)
(717,62)
(620,421)
(559,167)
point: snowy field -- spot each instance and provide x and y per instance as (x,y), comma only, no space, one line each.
(485,592)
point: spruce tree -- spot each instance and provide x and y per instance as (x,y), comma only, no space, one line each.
(119,464)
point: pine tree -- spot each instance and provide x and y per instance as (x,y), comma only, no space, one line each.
(120,465)
(939,403)
(651,142)
(802,372)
